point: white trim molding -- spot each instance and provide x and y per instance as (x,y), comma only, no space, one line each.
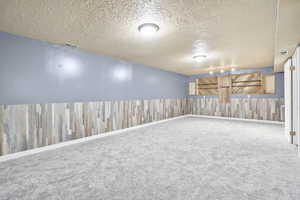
(80,140)
(238,119)
(117,132)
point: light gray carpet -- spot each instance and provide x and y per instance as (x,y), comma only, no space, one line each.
(189,158)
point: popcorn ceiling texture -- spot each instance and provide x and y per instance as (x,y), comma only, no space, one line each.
(287,31)
(233,32)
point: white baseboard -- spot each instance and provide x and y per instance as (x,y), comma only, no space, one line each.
(238,119)
(107,134)
(80,140)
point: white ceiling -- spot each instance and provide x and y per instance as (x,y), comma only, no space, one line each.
(287,31)
(239,33)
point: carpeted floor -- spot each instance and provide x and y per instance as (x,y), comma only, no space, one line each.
(188,158)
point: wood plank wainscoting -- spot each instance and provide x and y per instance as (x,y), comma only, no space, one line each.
(24,127)
(247,108)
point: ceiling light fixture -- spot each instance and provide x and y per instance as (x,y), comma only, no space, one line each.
(222,71)
(284,52)
(70,45)
(211,72)
(199,58)
(232,69)
(148,28)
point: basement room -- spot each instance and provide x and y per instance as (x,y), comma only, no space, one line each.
(149,99)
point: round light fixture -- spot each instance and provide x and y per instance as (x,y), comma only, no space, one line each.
(148,28)
(199,58)
(222,71)
(72,46)
(211,72)
(232,69)
(284,52)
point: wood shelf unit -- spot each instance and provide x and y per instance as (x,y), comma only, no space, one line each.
(224,86)
(207,86)
(248,83)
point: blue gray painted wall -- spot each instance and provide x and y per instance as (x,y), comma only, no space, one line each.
(33,71)
(279,78)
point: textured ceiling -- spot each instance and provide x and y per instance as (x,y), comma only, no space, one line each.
(237,33)
(287,31)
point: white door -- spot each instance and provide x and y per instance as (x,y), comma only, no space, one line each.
(288,87)
(295,63)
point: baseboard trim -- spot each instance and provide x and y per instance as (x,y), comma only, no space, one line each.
(238,119)
(80,140)
(116,132)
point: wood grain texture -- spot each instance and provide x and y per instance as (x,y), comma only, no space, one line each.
(224,87)
(207,86)
(24,127)
(252,108)
(1,129)
(246,83)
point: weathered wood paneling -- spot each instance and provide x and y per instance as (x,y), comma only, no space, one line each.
(25,127)
(1,129)
(252,108)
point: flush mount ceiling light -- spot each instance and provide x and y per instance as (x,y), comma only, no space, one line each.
(148,29)
(70,45)
(284,52)
(211,72)
(232,69)
(222,71)
(199,58)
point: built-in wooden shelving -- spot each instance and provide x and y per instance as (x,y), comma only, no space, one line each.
(224,86)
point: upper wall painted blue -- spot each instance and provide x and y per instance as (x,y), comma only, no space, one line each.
(33,71)
(279,77)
